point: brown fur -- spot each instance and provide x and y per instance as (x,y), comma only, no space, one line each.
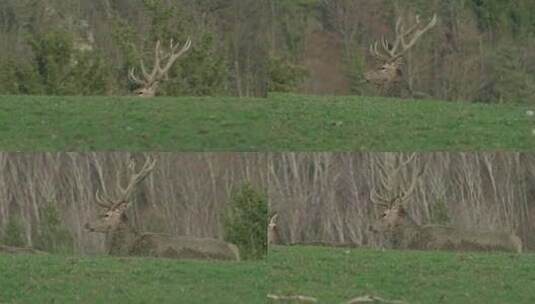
(124,240)
(402,232)
(273,231)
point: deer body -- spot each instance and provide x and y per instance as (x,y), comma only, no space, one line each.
(124,240)
(273,231)
(409,235)
(400,231)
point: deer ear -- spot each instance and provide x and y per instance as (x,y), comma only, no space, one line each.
(402,211)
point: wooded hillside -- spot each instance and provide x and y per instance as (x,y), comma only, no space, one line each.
(479,50)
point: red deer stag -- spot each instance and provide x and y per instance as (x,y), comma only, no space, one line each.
(402,232)
(273,231)
(125,240)
(163,61)
(391,54)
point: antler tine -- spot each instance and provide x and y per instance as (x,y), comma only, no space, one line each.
(374,50)
(103,201)
(378,199)
(415,177)
(273,219)
(133,77)
(406,46)
(136,178)
(157,58)
(401,33)
(174,56)
(399,27)
(144,70)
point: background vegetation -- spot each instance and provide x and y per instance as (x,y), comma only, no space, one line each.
(479,51)
(245,222)
(46,198)
(325,197)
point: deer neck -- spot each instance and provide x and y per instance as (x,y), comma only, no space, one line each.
(273,236)
(121,239)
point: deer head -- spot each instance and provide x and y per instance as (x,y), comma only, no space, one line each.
(163,61)
(391,54)
(396,189)
(273,232)
(113,217)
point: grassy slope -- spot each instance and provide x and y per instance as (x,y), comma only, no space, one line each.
(332,275)
(53,279)
(335,275)
(283,122)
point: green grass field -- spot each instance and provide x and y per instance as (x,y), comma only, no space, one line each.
(337,275)
(54,279)
(279,123)
(331,275)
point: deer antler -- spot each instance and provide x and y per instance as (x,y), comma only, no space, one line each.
(163,61)
(106,202)
(103,200)
(400,46)
(273,220)
(135,178)
(392,183)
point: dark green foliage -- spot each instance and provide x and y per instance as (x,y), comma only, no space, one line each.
(285,76)
(52,236)
(515,17)
(64,70)
(511,76)
(18,77)
(245,222)
(201,71)
(14,233)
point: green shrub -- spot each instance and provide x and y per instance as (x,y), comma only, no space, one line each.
(245,222)
(285,76)
(18,77)
(202,71)
(14,233)
(64,70)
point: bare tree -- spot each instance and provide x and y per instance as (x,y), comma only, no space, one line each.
(390,55)
(124,239)
(402,232)
(163,61)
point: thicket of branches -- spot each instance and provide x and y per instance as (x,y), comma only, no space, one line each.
(186,194)
(325,197)
(479,51)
